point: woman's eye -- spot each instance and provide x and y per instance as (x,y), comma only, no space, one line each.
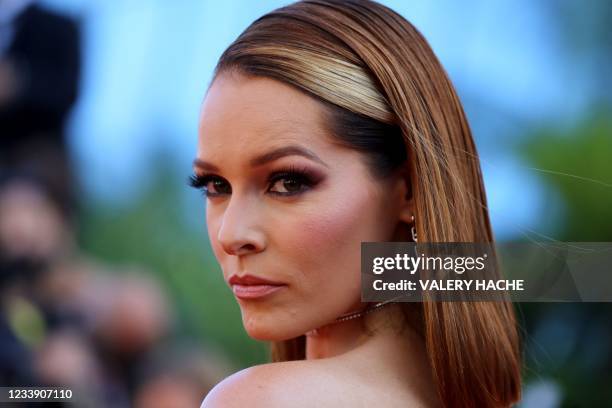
(211,186)
(289,184)
(217,187)
(284,183)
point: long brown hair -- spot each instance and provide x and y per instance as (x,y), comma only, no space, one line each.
(381,82)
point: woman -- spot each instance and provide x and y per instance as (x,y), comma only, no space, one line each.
(329,123)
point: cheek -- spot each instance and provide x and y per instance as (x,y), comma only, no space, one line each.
(329,227)
(326,240)
(212,227)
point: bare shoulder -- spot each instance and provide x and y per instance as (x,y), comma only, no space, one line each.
(313,383)
(290,383)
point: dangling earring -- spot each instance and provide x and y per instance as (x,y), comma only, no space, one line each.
(412,230)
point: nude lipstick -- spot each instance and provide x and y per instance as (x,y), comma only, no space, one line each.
(253,287)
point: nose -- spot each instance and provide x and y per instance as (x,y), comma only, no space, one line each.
(239,233)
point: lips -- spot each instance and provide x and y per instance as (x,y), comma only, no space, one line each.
(253,287)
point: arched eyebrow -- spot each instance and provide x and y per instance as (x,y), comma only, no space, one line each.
(291,150)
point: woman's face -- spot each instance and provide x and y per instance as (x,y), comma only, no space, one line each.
(286,204)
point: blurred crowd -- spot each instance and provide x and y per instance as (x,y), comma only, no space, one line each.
(67,319)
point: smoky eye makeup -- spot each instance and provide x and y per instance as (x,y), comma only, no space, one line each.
(283,182)
(209,184)
(292,180)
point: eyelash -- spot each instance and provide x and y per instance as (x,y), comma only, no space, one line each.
(302,175)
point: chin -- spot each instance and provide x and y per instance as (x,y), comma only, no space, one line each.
(270,332)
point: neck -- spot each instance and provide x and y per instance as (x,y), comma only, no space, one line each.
(340,337)
(385,344)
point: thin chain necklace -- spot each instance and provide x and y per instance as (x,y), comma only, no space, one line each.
(355,315)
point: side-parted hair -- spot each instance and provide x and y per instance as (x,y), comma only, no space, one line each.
(388,96)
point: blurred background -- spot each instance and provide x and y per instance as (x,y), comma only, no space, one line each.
(107,281)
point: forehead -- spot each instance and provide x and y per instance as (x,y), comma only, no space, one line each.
(249,112)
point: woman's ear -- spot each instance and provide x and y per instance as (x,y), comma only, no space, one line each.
(405,195)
